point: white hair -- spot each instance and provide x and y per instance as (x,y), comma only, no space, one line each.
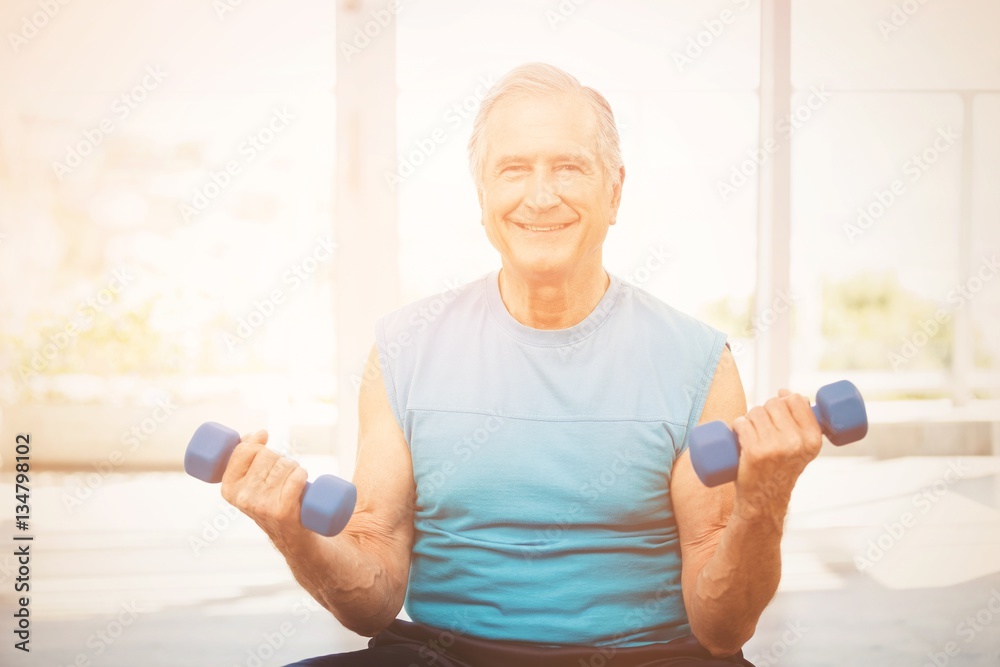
(543,79)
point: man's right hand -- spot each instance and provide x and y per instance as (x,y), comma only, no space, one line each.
(267,487)
(361,574)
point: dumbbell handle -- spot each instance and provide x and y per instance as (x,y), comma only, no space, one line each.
(327,503)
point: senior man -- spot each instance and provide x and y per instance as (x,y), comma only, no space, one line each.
(524,484)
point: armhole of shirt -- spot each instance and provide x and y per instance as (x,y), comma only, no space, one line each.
(387,382)
(708,373)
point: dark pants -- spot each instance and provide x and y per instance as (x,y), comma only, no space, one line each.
(406,644)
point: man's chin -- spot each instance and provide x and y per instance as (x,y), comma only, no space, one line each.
(542,269)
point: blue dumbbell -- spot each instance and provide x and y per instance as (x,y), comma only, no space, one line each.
(327,503)
(839,409)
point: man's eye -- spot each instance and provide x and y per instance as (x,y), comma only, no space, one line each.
(568,167)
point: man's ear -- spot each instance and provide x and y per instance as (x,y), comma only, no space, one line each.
(616,194)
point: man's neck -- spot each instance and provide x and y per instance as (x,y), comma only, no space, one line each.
(555,304)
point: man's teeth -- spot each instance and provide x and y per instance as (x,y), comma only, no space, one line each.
(543,229)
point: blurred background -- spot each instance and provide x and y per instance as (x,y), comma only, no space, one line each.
(205,205)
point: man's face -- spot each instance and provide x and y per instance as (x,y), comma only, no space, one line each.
(546,201)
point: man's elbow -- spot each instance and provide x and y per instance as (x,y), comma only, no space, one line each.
(367,629)
(724,643)
(723,651)
(371,609)
(368,625)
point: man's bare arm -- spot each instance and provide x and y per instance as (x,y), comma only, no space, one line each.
(731,535)
(361,574)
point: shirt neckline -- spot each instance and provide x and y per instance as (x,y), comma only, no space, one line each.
(551,337)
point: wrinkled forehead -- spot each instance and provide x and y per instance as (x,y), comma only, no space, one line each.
(535,123)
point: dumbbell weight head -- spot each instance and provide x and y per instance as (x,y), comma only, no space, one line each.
(841,413)
(715,453)
(327,503)
(209,450)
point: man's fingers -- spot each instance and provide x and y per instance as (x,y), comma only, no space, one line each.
(258,437)
(265,485)
(249,468)
(291,489)
(745,432)
(279,472)
(243,456)
(240,461)
(801,411)
(761,421)
(263,461)
(779,414)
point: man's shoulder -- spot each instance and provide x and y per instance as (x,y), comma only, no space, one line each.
(647,306)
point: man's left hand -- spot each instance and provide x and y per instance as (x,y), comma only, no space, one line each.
(777,441)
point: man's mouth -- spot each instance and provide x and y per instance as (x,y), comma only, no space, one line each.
(543,228)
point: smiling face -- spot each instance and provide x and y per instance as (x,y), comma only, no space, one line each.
(547,202)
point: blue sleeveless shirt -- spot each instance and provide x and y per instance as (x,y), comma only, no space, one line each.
(542,462)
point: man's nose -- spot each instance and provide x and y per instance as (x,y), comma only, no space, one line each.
(542,192)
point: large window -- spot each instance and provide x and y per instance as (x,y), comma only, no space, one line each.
(166,173)
(168,177)
(895,211)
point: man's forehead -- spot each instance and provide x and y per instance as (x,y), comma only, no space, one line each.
(561,125)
